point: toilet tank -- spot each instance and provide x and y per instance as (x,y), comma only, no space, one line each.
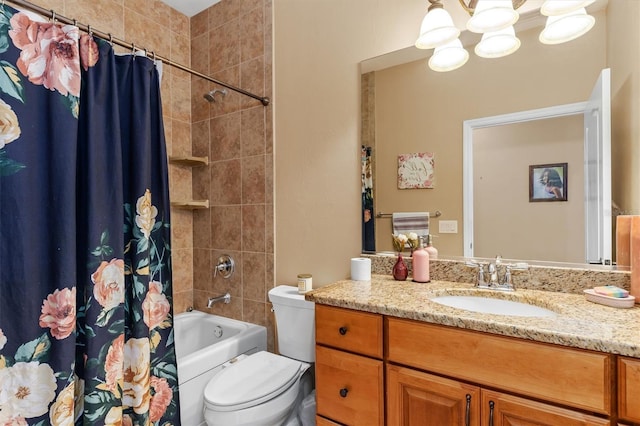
(295,323)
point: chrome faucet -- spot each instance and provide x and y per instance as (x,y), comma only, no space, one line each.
(225,266)
(226,298)
(494,282)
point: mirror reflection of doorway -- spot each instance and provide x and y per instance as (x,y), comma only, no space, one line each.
(498,215)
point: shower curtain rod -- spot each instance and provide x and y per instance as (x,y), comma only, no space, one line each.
(108,37)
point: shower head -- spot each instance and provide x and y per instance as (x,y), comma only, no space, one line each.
(210,96)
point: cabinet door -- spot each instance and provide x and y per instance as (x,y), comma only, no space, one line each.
(321,421)
(573,377)
(415,398)
(349,388)
(501,409)
(629,389)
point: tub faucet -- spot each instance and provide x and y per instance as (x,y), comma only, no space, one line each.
(226,298)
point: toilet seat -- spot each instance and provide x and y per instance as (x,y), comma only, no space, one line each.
(252,381)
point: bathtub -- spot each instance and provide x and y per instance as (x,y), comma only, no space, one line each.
(203,343)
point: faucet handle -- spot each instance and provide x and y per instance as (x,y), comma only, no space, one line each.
(507,276)
(480,277)
(520,266)
(225,266)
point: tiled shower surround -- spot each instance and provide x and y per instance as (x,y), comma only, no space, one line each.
(231,42)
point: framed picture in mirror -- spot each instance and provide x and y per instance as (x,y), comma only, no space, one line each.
(416,170)
(548,182)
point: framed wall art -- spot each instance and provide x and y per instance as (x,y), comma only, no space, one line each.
(548,182)
(415,170)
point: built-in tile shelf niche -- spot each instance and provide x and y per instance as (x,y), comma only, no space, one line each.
(190,161)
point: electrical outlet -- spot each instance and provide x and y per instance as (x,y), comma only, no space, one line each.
(448,226)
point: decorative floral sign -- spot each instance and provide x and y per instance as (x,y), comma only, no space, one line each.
(415,170)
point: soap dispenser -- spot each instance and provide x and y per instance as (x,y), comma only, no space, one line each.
(421,263)
(433,252)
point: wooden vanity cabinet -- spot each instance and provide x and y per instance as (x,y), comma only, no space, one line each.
(564,376)
(629,389)
(349,367)
(416,398)
(375,370)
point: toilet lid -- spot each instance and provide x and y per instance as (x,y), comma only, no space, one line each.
(257,378)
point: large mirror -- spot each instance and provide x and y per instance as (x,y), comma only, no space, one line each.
(408,108)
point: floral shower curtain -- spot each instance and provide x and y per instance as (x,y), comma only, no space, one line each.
(368,221)
(86,329)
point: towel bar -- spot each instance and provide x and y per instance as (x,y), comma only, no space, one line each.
(437,213)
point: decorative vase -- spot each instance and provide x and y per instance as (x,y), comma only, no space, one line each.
(400,270)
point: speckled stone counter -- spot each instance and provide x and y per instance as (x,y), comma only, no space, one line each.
(577,323)
(560,277)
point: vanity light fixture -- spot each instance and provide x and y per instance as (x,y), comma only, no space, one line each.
(560,7)
(566,26)
(449,57)
(492,15)
(437,27)
(495,44)
(567,20)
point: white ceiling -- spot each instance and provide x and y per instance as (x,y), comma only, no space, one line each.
(190,7)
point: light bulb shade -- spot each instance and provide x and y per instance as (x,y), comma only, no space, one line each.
(437,29)
(561,7)
(492,15)
(448,57)
(496,44)
(567,27)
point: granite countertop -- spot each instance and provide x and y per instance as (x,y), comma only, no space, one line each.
(578,323)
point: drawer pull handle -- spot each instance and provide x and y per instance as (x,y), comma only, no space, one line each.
(343,330)
(467,414)
(344,392)
(491,405)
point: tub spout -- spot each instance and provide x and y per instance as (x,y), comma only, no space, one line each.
(226,298)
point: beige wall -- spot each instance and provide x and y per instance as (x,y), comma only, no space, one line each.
(624,37)
(318,45)
(421,110)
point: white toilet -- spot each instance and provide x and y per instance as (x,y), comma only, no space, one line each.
(265,389)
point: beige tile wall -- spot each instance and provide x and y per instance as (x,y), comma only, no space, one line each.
(231,42)
(235,132)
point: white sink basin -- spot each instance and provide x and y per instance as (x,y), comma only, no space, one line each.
(488,305)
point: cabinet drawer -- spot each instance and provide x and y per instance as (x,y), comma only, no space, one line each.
(557,374)
(349,388)
(353,331)
(629,389)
